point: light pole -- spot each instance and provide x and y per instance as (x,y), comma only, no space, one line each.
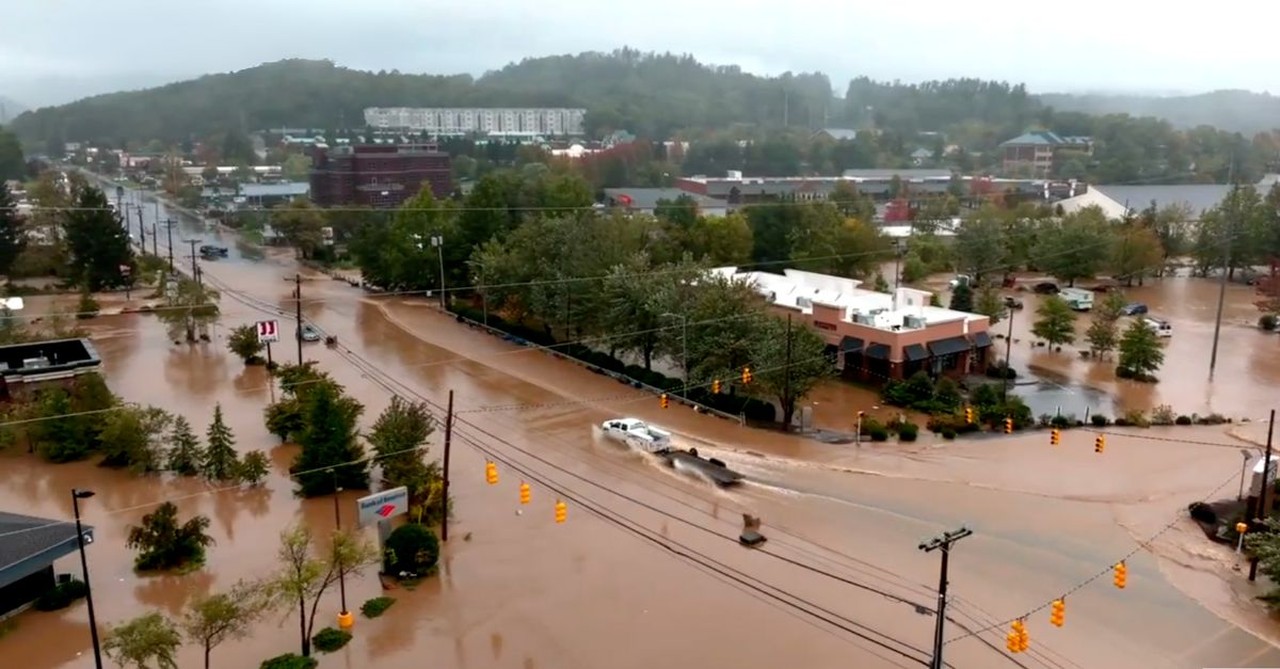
(1008,351)
(1244,466)
(899,249)
(944,542)
(345,619)
(684,351)
(76,496)
(438,242)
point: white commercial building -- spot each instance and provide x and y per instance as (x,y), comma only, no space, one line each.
(522,122)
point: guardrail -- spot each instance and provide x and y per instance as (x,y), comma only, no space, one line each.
(740,419)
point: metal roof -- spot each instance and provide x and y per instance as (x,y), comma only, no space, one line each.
(1199,197)
(29,544)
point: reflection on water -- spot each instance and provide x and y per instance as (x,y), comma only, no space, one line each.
(1055,394)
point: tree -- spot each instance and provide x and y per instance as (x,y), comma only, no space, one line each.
(304,576)
(980,245)
(254,468)
(301,225)
(330,453)
(221,462)
(720,240)
(789,361)
(635,301)
(399,438)
(411,548)
(962,298)
(164,543)
(213,619)
(297,167)
(186,456)
(189,310)
(244,343)
(131,437)
(12,237)
(1055,322)
(1140,352)
(989,303)
(1102,335)
(1136,253)
(1075,247)
(98,242)
(149,641)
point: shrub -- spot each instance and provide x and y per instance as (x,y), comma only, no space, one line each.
(948,434)
(1162,415)
(289,661)
(61,596)
(1136,418)
(869,424)
(1214,419)
(411,548)
(376,606)
(1182,420)
(908,431)
(329,639)
(1060,421)
(1099,420)
(1001,371)
(1121,421)
(879,433)
(1268,321)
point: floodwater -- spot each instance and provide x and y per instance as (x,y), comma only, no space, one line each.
(647,571)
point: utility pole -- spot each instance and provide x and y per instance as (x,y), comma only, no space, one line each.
(1264,499)
(155,239)
(1226,269)
(142,229)
(786,379)
(1008,351)
(438,242)
(448,443)
(344,618)
(297,311)
(169,224)
(195,276)
(943,543)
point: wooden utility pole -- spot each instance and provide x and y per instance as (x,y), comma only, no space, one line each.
(448,442)
(297,310)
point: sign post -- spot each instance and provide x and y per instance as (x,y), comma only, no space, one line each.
(268,331)
(381,507)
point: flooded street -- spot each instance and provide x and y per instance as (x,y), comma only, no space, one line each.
(647,570)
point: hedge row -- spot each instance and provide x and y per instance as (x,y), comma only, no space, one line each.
(734,405)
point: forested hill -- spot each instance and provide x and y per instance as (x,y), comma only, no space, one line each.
(1239,111)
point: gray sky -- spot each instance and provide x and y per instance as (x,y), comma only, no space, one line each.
(56,50)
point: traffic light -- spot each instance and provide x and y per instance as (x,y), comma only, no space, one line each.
(1017,640)
(968,415)
(1055,436)
(1024,639)
(1099,444)
(525,493)
(1058,612)
(491,473)
(663,401)
(1008,426)
(1121,576)
(746,374)
(562,511)
(715,387)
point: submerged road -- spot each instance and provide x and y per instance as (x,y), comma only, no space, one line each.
(656,575)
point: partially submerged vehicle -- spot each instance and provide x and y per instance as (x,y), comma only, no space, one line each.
(644,437)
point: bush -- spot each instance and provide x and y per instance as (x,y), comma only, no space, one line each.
(1268,321)
(908,431)
(1098,420)
(948,434)
(289,661)
(1060,421)
(1162,415)
(879,433)
(376,606)
(1136,418)
(329,639)
(413,549)
(61,596)
(1182,420)
(1001,371)
(1121,421)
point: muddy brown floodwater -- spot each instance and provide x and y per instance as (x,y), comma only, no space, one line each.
(613,589)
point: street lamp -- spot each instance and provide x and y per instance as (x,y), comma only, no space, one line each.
(684,351)
(438,242)
(345,619)
(1008,351)
(900,249)
(76,496)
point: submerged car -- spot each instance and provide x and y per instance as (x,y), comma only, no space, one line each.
(1135,309)
(310,333)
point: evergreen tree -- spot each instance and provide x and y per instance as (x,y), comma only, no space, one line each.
(221,462)
(1140,352)
(962,298)
(186,456)
(254,468)
(98,242)
(12,239)
(328,440)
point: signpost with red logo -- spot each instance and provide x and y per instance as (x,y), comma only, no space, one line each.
(380,508)
(268,331)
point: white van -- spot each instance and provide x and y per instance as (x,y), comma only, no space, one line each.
(1160,327)
(1077,298)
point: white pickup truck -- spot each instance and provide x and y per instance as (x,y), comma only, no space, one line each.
(637,434)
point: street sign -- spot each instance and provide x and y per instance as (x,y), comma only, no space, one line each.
(126,270)
(268,331)
(382,506)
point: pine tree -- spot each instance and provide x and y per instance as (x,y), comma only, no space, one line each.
(97,240)
(12,239)
(186,456)
(254,467)
(221,462)
(962,298)
(1140,353)
(328,440)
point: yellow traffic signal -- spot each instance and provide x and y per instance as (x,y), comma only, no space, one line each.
(1024,639)
(1055,436)
(968,415)
(1008,426)
(1121,576)
(715,387)
(491,473)
(1058,612)
(1012,641)
(562,511)
(1017,640)
(1099,444)
(663,401)
(525,493)
(746,374)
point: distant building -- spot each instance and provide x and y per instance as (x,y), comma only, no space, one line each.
(25,368)
(1039,153)
(257,195)
(874,336)
(1119,201)
(30,547)
(378,175)
(645,200)
(504,122)
(836,134)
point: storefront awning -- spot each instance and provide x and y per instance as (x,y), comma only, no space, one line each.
(877,351)
(981,340)
(915,352)
(950,346)
(850,345)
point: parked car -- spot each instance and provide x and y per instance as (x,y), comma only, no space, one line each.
(1012,302)
(310,333)
(211,251)
(961,280)
(1046,288)
(1135,309)
(1162,328)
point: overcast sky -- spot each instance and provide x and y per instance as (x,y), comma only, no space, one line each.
(56,50)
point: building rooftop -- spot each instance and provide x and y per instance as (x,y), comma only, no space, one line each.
(904,309)
(288,189)
(29,544)
(36,361)
(840,134)
(647,198)
(914,174)
(1046,138)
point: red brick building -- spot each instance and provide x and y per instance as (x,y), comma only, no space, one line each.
(381,176)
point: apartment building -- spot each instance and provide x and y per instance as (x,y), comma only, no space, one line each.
(1038,154)
(378,175)
(876,336)
(501,122)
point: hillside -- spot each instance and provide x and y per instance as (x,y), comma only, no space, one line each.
(10,109)
(1238,111)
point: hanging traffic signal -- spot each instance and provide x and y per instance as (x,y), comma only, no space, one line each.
(746,374)
(562,511)
(491,473)
(1058,612)
(1017,640)
(1121,576)
(968,415)
(1024,639)
(1011,641)
(525,493)
(1099,444)
(1008,426)
(715,387)
(663,401)
(1055,436)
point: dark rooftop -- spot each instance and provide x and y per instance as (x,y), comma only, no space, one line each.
(29,544)
(47,357)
